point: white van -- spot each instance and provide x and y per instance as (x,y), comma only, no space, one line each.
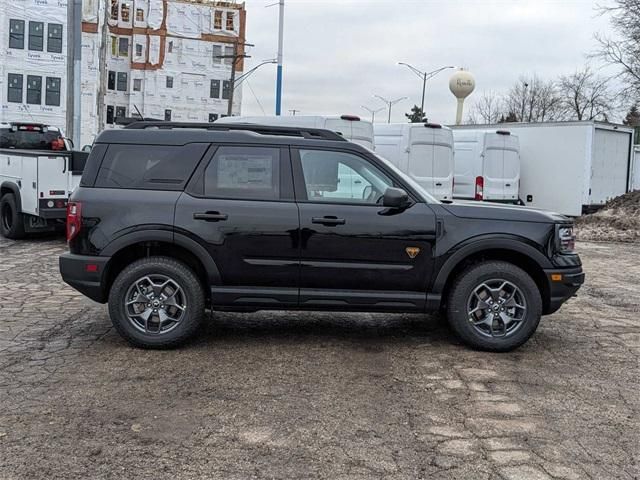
(487,165)
(349,126)
(424,151)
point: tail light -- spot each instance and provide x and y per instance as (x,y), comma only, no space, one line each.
(74,220)
(479,188)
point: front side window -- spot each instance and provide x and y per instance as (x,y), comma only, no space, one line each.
(34,89)
(121,84)
(16,34)
(149,167)
(244,173)
(36,36)
(52,95)
(342,177)
(14,94)
(54,38)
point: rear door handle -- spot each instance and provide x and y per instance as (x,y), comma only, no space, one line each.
(329,221)
(438,184)
(210,216)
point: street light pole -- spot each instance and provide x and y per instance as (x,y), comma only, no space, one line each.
(424,76)
(234,63)
(390,103)
(372,112)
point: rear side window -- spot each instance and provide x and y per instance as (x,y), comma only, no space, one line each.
(149,167)
(249,173)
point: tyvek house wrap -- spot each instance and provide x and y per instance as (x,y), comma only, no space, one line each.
(42,64)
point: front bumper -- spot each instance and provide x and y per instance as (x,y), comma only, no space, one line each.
(86,274)
(563,284)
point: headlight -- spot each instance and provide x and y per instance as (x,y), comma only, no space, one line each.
(565,239)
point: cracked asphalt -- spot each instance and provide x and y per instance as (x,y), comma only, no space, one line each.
(316,395)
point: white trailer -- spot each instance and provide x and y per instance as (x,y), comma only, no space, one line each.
(38,172)
(487,165)
(424,151)
(571,167)
(350,127)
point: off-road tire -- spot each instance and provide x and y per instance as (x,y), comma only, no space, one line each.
(185,278)
(463,288)
(11,221)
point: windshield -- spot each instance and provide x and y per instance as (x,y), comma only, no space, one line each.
(426,196)
(31,139)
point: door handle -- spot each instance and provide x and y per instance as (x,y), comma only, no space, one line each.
(210,216)
(328,221)
(438,184)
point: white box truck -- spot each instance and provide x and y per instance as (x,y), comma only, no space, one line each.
(571,167)
(38,172)
(350,127)
(424,151)
(487,165)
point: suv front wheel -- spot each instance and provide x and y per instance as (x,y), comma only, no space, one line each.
(494,306)
(156,302)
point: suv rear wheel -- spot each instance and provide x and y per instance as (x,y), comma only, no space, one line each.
(494,306)
(11,221)
(156,302)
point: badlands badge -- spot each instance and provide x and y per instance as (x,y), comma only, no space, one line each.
(412,252)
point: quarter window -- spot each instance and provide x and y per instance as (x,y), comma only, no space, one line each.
(34,90)
(52,95)
(342,177)
(36,36)
(54,38)
(16,34)
(14,94)
(244,173)
(149,167)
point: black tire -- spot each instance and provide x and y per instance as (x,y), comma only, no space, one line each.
(460,295)
(11,221)
(193,296)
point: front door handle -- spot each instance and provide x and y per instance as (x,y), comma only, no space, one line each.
(328,221)
(210,216)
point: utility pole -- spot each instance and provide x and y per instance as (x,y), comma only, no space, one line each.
(390,103)
(102,66)
(280,48)
(372,112)
(74,84)
(234,63)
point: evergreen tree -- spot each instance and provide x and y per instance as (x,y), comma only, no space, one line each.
(416,115)
(633,120)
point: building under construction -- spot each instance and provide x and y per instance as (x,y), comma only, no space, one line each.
(167,59)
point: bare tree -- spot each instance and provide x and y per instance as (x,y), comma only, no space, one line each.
(533,100)
(623,51)
(586,96)
(487,109)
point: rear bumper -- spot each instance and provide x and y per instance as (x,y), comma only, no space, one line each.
(563,284)
(85,274)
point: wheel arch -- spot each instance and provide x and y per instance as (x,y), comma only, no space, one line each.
(11,187)
(148,243)
(509,250)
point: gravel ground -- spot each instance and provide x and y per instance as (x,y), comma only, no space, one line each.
(316,395)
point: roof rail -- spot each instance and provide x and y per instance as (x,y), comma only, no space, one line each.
(308,133)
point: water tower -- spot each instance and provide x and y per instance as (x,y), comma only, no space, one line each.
(461,85)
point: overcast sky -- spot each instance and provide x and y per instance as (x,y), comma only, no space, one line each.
(339,53)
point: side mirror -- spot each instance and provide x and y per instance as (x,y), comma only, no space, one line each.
(395,198)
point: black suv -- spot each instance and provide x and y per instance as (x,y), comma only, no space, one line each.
(171,219)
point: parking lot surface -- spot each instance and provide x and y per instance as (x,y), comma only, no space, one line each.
(276,395)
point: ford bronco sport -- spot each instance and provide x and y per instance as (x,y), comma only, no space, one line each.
(171,219)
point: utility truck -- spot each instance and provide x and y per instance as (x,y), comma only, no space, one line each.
(424,151)
(38,172)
